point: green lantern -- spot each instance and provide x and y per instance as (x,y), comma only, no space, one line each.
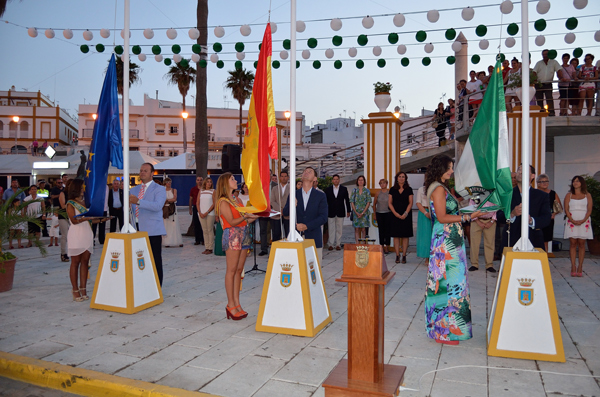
(297,64)
(196,48)
(316,64)
(238,65)
(571,23)
(100,48)
(337,64)
(119,50)
(360,64)
(217,47)
(393,38)
(167,61)
(312,42)
(239,47)
(502,57)
(136,49)
(450,60)
(426,61)
(202,63)
(362,40)
(259,46)
(184,63)
(475,59)
(176,48)
(421,36)
(276,64)
(156,49)
(287,44)
(220,64)
(481,30)
(577,52)
(450,34)
(84,48)
(552,54)
(255,64)
(405,61)
(337,40)
(512,29)
(540,24)
(381,63)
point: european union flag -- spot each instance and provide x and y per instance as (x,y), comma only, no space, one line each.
(106,144)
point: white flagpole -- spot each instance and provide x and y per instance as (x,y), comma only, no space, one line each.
(126,227)
(293,236)
(526,150)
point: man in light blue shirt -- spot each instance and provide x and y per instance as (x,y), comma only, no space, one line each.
(13,190)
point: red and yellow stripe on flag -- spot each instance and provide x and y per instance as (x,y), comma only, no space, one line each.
(260,141)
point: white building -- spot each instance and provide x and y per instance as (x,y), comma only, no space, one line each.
(340,130)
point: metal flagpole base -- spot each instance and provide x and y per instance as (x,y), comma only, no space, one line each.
(255,267)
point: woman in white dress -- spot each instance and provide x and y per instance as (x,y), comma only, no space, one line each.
(173,237)
(578,226)
(206,213)
(511,93)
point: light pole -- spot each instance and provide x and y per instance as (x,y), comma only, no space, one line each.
(184,115)
(287,115)
(16,120)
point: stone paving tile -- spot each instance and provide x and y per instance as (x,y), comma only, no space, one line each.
(41,349)
(416,369)
(279,388)
(226,353)
(311,366)
(189,378)
(109,363)
(450,388)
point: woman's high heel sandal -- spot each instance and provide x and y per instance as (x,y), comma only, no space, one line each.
(235,317)
(77,298)
(83,293)
(447,342)
(241,311)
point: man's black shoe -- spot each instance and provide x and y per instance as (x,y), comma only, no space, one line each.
(491,270)
(262,253)
(473,268)
(197,243)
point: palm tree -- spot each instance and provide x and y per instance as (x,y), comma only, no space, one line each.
(134,74)
(183,77)
(240,82)
(201,143)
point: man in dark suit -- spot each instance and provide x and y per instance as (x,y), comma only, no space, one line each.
(280,194)
(115,205)
(338,204)
(539,213)
(311,210)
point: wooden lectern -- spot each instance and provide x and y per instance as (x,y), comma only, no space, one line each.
(364,373)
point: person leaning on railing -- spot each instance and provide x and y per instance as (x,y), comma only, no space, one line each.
(565,79)
(588,74)
(545,70)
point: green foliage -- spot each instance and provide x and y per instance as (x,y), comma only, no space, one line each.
(593,187)
(516,81)
(382,87)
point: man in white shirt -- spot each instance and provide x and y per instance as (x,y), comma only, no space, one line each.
(545,71)
(475,87)
(279,196)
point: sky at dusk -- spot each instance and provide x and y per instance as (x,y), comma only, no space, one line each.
(61,71)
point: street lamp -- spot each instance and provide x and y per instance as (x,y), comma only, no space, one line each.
(94,116)
(184,115)
(16,120)
(397,112)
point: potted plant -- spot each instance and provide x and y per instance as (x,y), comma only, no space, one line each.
(11,216)
(382,95)
(516,82)
(593,187)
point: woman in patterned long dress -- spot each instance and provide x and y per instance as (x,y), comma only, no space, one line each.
(447,299)
(360,200)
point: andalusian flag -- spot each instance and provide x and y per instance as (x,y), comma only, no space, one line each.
(261,136)
(485,160)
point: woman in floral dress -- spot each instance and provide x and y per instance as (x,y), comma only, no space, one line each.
(360,200)
(447,300)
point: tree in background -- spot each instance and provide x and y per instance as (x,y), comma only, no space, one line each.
(240,82)
(134,74)
(201,144)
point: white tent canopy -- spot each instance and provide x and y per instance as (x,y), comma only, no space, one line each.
(185,161)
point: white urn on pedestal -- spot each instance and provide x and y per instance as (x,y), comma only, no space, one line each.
(383,100)
(520,94)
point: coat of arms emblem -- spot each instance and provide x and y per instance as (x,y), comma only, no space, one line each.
(362,256)
(286,275)
(525,293)
(140,259)
(313,276)
(114,262)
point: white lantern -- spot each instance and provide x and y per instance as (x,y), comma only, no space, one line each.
(484,44)
(88,35)
(68,34)
(336,24)
(240,56)
(32,32)
(510,42)
(540,40)
(506,7)
(283,55)
(376,50)
(329,53)
(401,49)
(368,22)
(49,33)
(580,4)
(196,58)
(158,58)
(597,36)
(171,33)
(194,33)
(456,46)
(142,57)
(306,54)
(245,30)
(273,27)
(300,26)
(543,6)
(214,58)
(177,58)
(429,48)
(219,31)
(352,52)
(570,38)
(399,20)
(105,33)
(433,16)
(467,13)
(123,33)
(148,33)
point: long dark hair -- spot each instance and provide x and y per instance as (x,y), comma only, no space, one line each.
(74,190)
(397,185)
(438,167)
(583,184)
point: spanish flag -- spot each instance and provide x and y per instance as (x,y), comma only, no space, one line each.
(260,141)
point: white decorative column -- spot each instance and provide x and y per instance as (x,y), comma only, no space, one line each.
(381,148)
(537,138)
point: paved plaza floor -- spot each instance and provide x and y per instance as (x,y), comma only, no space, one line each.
(187,342)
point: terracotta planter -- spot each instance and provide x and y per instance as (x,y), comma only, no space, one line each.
(383,100)
(594,246)
(7,274)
